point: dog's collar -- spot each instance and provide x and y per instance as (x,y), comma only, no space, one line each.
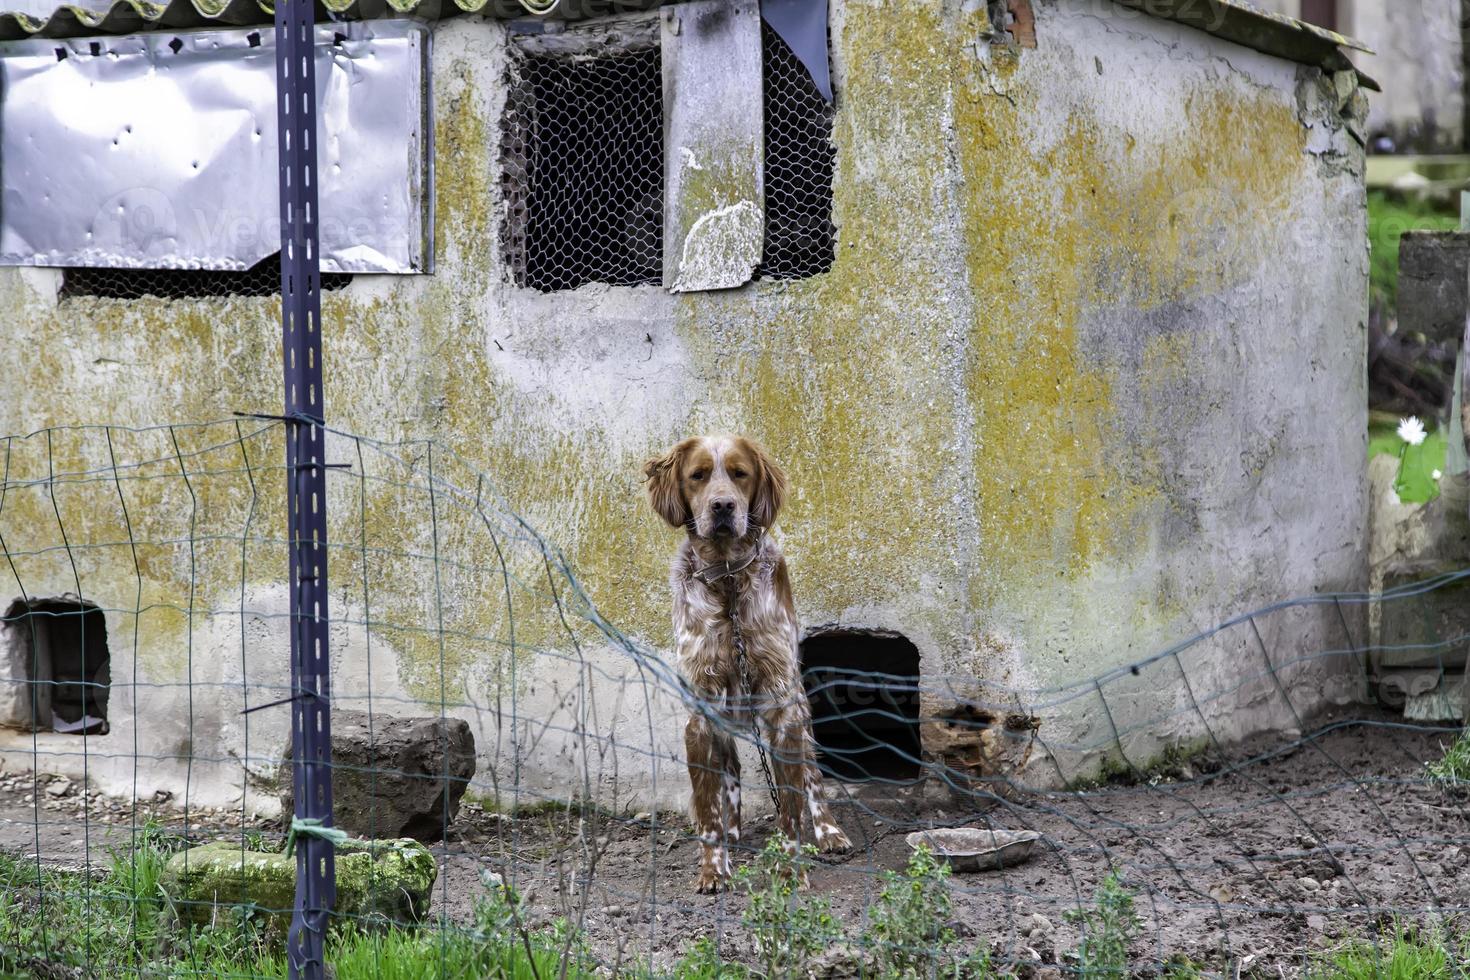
(715,571)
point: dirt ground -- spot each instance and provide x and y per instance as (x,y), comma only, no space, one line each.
(1244,865)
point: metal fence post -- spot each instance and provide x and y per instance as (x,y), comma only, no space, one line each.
(306,475)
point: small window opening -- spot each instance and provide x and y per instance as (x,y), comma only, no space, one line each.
(864,693)
(583,159)
(57,649)
(799,157)
(261,279)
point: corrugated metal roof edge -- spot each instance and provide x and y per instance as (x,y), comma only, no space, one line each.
(1274,34)
(131,16)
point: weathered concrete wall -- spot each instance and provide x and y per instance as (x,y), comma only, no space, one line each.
(1087,376)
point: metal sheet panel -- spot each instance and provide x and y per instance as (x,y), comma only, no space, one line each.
(159,151)
(714,144)
(802,24)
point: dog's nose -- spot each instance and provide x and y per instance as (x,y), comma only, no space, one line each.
(723,507)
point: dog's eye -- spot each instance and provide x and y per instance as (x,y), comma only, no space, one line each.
(697,475)
(738,474)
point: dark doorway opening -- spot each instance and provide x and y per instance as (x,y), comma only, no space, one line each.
(63,652)
(864,692)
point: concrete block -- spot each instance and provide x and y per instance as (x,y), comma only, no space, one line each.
(1434,284)
(1428,629)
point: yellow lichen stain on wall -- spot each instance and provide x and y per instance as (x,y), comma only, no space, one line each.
(123,536)
(866,380)
(574,494)
(1057,235)
(464,210)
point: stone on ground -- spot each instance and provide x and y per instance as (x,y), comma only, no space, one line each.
(388,779)
(376,881)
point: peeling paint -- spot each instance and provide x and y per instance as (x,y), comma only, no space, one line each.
(715,253)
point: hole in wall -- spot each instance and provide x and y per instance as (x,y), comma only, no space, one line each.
(863,686)
(261,279)
(58,651)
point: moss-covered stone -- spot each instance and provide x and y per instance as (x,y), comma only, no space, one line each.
(387,880)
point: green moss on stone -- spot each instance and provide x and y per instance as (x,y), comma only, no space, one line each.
(376,881)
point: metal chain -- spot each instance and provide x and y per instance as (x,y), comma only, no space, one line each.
(738,636)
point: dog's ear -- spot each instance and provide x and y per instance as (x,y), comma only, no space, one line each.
(770,486)
(664,492)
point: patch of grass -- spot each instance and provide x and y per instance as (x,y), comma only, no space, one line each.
(1388,219)
(1403,955)
(1108,927)
(1454,768)
(98,927)
(56,923)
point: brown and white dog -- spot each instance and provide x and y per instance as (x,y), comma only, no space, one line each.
(725,491)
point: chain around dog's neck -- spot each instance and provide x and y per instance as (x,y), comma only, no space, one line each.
(715,571)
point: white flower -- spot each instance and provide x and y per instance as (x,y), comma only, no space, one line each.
(1411,430)
(1436,474)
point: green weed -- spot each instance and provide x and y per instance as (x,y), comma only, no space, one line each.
(55,923)
(701,961)
(910,924)
(1109,926)
(790,927)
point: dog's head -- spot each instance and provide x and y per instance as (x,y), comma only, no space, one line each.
(716,486)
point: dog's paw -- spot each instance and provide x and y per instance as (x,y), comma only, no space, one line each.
(831,839)
(712,882)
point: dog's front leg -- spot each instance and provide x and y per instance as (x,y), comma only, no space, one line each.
(799,779)
(708,774)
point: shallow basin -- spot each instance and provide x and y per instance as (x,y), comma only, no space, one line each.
(974,849)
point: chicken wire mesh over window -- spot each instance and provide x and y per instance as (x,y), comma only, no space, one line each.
(799,154)
(261,279)
(583,168)
(584,171)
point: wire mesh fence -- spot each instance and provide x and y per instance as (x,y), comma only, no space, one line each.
(1243,801)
